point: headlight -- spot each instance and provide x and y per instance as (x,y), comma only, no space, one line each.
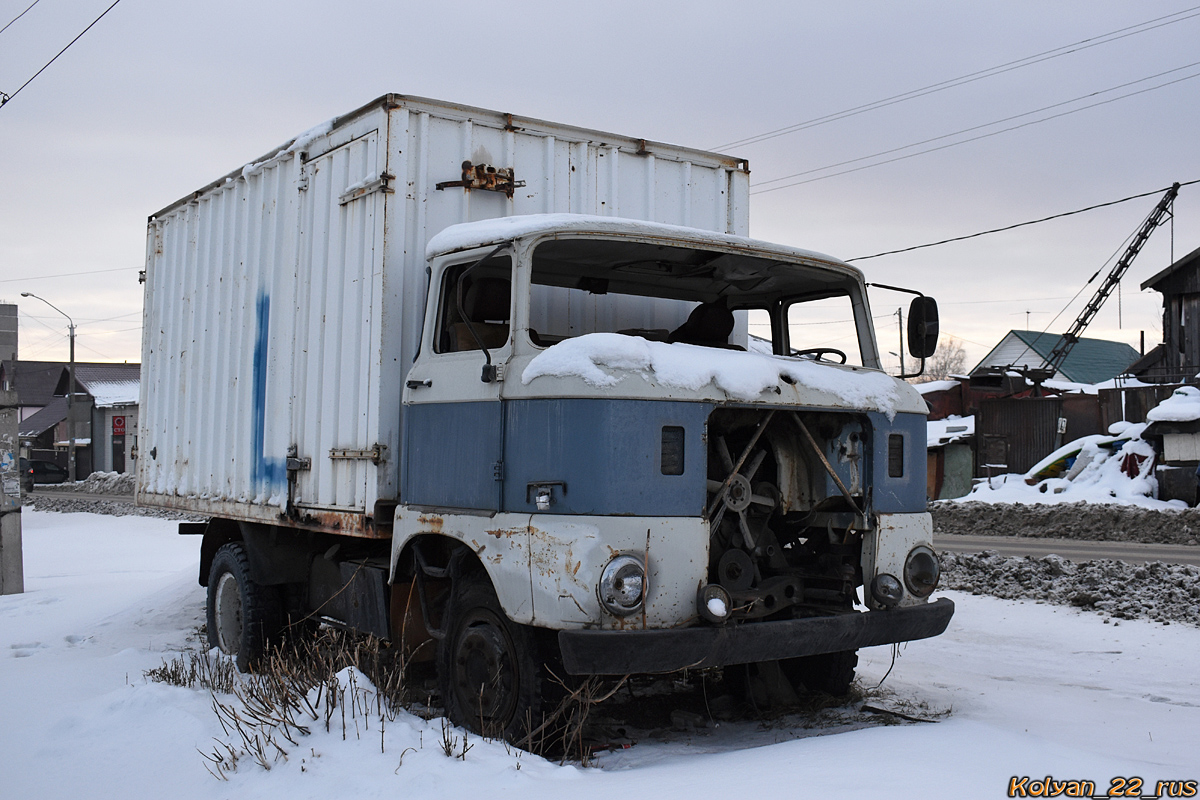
(623,586)
(714,603)
(886,590)
(921,571)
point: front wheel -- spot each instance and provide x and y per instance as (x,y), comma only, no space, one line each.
(831,673)
(243,616)
(489,668)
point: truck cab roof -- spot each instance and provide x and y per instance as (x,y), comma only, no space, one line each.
(484,233)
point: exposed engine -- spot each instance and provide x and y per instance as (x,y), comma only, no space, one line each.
(787,506)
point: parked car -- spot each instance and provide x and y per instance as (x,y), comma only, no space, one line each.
(46,472)
(26,475)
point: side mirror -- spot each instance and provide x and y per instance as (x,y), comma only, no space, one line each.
(922,327)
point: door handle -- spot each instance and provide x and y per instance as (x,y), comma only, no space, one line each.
(418,384)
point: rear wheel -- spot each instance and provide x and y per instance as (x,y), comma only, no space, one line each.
(489,669)
(243,617)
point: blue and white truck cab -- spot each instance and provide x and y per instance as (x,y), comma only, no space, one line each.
(590,434)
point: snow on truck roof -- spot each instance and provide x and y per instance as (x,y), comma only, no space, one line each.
(469,235)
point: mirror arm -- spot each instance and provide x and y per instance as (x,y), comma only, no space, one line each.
(489,370)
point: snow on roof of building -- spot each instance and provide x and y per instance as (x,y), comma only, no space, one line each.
(108,384)
(950,429)
(935,386)
(114,393)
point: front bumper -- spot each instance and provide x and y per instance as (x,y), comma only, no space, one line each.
(629,652)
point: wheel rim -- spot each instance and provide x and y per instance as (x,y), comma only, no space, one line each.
(228,614)
(485,672)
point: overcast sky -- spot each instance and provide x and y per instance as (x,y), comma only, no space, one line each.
(159,99)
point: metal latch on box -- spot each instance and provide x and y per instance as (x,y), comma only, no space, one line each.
(487,178)
(294,463)
(378,184)
(377,454)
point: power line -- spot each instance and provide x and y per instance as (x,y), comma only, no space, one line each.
(18,16)
(66,274)
(971,77)
(984,125)
(4,98)
(1021,224)
(974,138)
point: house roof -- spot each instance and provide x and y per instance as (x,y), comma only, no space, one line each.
(108,384)
(45,419)
(1090,361)
(1191,259)
(35,381)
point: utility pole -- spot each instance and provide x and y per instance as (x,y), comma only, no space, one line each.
(70,388)
(12,571)
(900,352)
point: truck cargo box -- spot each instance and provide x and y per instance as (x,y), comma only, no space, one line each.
(284,301)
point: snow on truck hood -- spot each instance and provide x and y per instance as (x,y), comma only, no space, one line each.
(495,231)
(739,374)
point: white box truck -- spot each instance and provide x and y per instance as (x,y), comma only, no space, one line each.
(490,386)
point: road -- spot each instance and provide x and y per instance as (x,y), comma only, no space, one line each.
(66,495)
(1071,549)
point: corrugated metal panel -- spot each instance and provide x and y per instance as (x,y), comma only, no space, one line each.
(1015,433)
(282,312)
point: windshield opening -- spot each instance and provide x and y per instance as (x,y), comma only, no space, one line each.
(684,294)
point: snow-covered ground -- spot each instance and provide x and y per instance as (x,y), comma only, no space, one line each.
(1029,689)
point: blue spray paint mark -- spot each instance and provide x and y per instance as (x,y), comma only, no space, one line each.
(263,470)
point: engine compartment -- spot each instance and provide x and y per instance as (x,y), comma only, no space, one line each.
(788,505)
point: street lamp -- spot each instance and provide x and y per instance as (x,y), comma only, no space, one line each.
(70,388)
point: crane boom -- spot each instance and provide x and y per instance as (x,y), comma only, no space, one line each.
(1065,344)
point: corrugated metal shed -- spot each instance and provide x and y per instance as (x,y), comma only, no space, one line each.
(1091,360)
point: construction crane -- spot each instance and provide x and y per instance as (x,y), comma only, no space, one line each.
(1069,339)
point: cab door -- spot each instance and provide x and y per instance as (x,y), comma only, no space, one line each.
(453,419)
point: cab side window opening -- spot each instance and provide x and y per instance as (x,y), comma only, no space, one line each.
(485,316)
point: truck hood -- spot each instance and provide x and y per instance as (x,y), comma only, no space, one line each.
(610,364)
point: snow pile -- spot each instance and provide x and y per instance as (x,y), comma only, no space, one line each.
(1157,591)
(1076,521)
(105,483)
(742,375)
(1105,469)
(70,503)
(1182,406)
(96,483)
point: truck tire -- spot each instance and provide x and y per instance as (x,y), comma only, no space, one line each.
(490,670)
(831,673)
(243,617)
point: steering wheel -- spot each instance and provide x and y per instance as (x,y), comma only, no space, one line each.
(818,354)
